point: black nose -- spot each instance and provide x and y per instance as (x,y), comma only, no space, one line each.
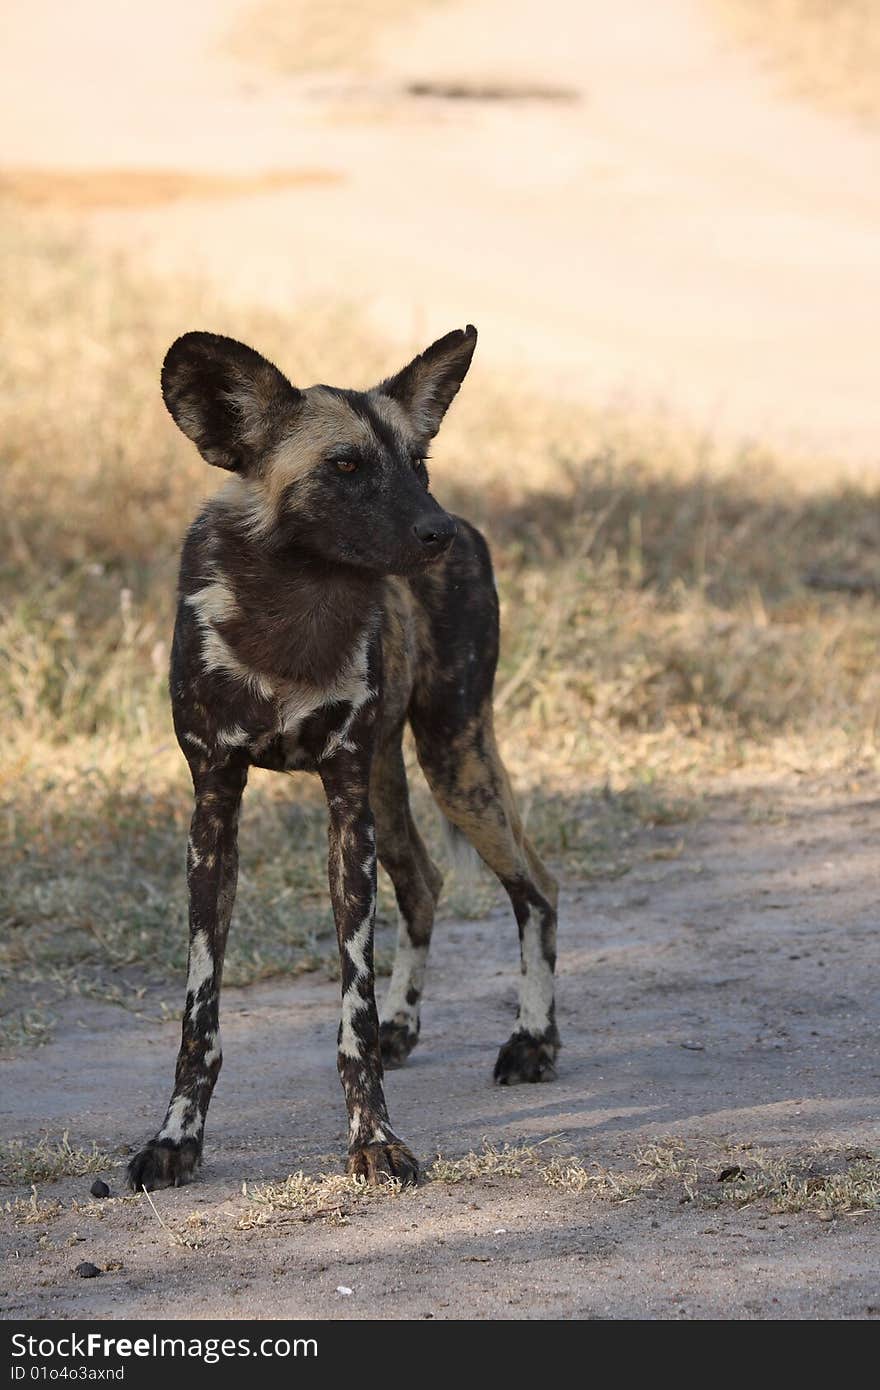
(435,532)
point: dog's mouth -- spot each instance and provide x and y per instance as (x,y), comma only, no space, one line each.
(426,561)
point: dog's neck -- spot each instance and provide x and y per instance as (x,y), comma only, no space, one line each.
(296,618)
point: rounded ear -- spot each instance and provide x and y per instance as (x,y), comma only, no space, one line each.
(428,385)
(229,400)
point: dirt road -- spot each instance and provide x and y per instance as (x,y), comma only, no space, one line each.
(675,235)
(724,995)
(662,230)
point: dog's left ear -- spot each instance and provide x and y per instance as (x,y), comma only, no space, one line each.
(427,386)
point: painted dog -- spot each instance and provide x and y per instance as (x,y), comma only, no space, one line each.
(326,599)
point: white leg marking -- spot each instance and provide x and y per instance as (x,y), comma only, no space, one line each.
(536,985)
(215,1051)
(353,1003)
(201,969)
(408,973)
(176,1126)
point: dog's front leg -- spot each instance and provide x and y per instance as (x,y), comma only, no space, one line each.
(374,1149)
(172,1157)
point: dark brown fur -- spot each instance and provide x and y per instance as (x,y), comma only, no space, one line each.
(325,600)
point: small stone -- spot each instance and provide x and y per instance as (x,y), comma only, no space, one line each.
(86,1270)
(99,1188)
(344,1290)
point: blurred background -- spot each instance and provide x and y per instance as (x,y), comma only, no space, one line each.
(663,218)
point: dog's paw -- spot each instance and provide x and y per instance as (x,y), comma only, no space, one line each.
(164,1163)
(396,1042)
(526,1058)
(381,1161)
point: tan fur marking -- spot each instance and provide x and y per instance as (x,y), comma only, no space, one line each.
(323,421)
(394,416)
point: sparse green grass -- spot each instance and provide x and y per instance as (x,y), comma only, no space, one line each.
(827,51)
(24,1027)
(48,1159)
(659,630)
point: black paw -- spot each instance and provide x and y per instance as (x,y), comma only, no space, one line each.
(378,1162)
(164,1163)
(396,1042)
(526,1058)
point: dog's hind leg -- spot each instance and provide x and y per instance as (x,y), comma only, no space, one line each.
(172,1157)
(471,787)
(417,882)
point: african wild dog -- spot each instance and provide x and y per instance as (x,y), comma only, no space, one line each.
(325,599)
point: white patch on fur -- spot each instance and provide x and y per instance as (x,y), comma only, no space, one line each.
(536,983)
(194,856)
(201,961)
(234,737)
(201,969)
(212,604)
(353,1003)
(197,742)
(408,973)
(176,1127)
(215,1052)
(357,946)
(349,686)
(353,687)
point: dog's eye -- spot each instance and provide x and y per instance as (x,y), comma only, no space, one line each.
(346,465)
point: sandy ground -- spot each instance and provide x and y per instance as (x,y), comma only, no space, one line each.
(758,943)
(675,237)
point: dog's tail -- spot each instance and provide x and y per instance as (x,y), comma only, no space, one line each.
(463,858)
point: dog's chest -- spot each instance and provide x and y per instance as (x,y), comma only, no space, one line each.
(296,726)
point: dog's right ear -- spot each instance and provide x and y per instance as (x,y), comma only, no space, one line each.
(229,400)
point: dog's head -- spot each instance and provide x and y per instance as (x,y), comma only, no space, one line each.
(338,474)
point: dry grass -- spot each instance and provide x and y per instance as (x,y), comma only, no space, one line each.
(299,1197)
(85,189)
(31,1211)
(827,51)
(572,1176)
(507,1162)
(661,622)
(824,1182)
(48,1160)
(296,36)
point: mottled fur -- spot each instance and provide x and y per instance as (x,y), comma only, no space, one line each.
(325,600)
